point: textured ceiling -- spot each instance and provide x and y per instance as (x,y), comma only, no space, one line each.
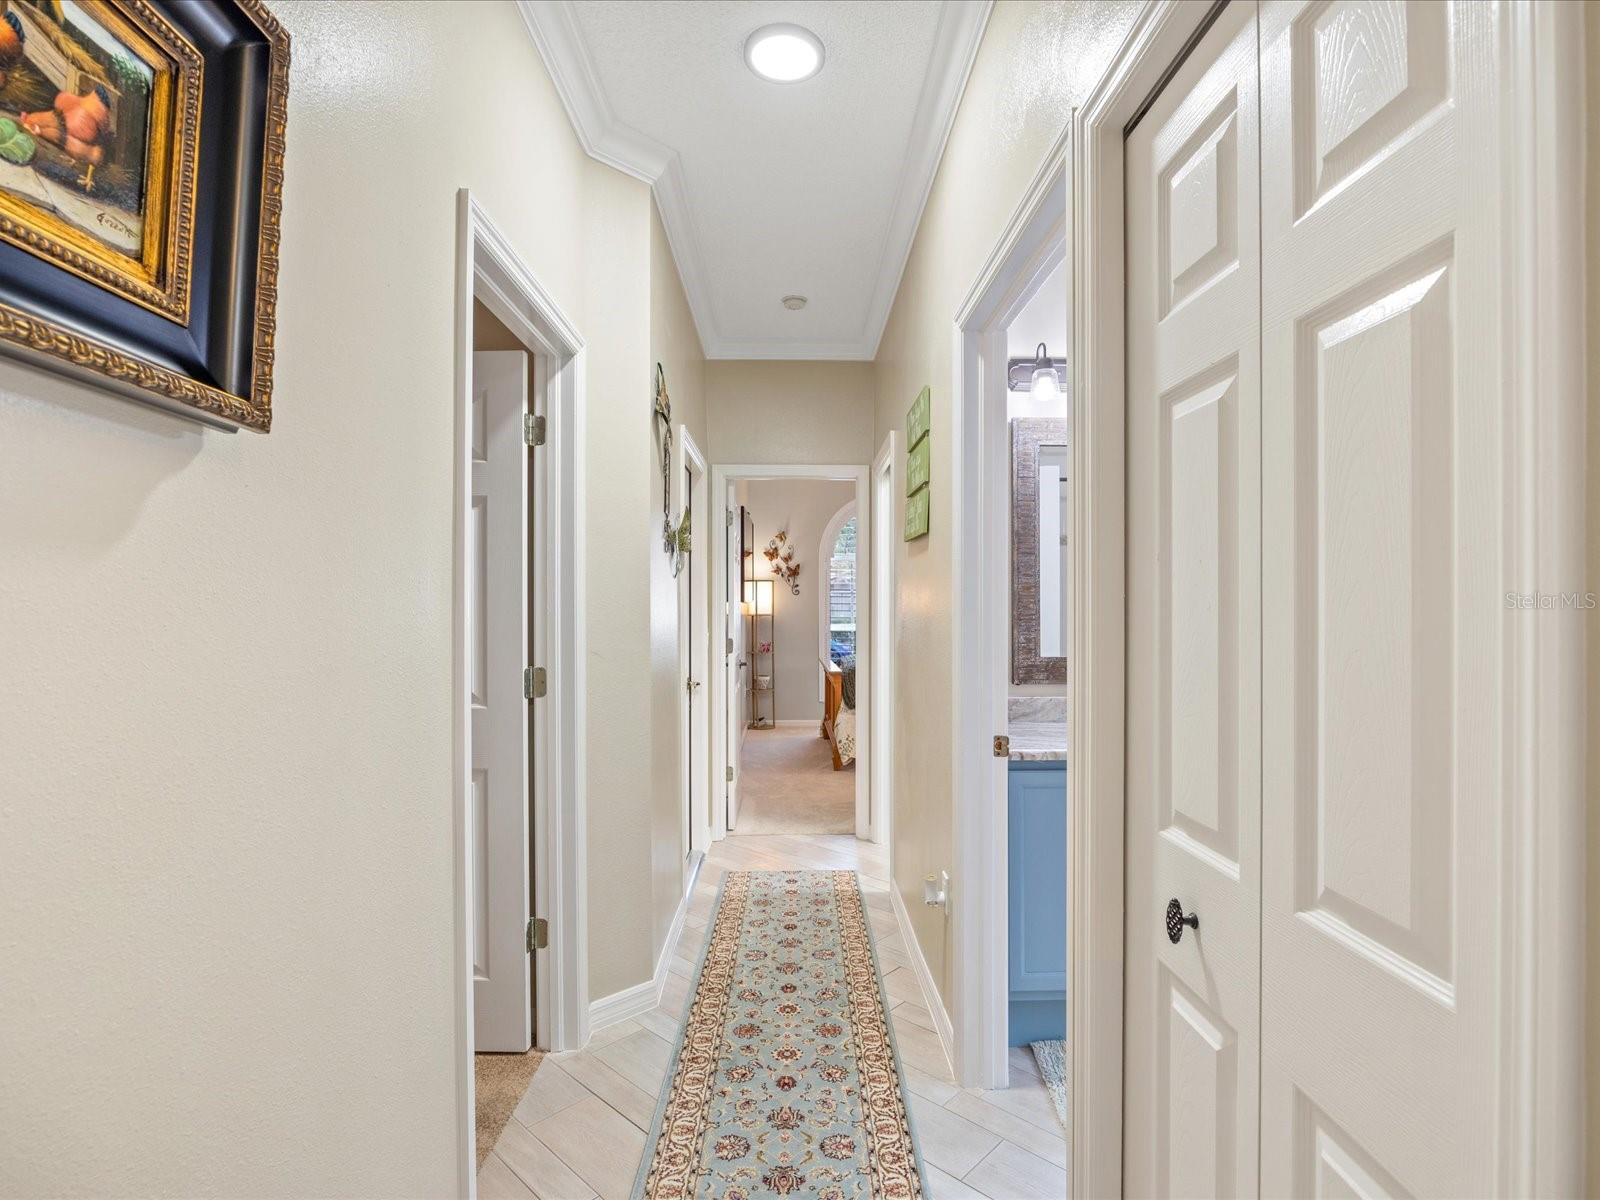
(811,188)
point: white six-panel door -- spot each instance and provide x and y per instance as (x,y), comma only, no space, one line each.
(497,638)
(1385,432)
(1317,470)
(1194,519)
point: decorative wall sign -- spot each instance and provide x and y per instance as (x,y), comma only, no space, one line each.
(917,515)
(918,465)
(918,419)
(141,186)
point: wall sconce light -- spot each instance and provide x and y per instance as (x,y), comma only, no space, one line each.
(1041,375)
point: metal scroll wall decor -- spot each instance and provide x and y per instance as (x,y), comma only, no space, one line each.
(674,535)
(780,557)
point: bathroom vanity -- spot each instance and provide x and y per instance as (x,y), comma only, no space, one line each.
(1036,822)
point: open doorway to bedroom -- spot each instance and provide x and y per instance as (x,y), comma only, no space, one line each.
(796,766)
(794,616)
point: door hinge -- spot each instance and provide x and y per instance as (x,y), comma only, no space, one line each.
(1002,746)
(730,774)
(727,517)
(533,429)
(729,650)
(538,934)
(534,683)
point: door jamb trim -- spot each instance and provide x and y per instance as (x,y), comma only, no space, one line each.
(1097,850)
(884,541)
(488,267)
(689,457)
(722,474)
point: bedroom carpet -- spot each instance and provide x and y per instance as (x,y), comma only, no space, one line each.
(787,784)
(785,1078)
(499,1083)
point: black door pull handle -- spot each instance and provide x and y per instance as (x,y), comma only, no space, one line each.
(1176,921)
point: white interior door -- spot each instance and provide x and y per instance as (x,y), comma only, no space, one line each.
(497,618)
(1194,509)
(735,664)
(1385,450)
(691,685)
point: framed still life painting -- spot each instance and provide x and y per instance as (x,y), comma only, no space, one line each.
(141,185)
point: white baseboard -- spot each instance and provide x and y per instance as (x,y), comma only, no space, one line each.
(919,968)
(642,997)
(625,1005)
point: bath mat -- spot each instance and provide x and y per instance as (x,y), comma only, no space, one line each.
(1052,1060)
(499,1083)
(785,1079)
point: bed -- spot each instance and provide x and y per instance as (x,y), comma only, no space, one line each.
(839,710)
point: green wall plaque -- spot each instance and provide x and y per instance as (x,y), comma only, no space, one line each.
(917,419)
(917,515)
(918,465)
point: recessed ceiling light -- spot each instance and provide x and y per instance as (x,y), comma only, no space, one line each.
(794,303)
(783,53)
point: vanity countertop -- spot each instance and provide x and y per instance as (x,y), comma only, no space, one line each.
(1037,726)
(1038,741)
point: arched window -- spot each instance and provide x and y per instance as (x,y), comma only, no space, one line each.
(837,625)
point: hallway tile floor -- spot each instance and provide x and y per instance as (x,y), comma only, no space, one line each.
(580,1130)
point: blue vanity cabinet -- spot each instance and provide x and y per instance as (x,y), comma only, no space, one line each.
(1037,886)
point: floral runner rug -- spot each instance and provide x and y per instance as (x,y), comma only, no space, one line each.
(785,1081)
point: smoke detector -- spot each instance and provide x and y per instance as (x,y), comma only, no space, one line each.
(794,303)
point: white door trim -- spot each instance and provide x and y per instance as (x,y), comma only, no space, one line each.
(1542,188)
(1031,247)
(721,475)
(489,269)
(1543,1102)
(694,658)
(830,534)
(1095,775)
(885,542)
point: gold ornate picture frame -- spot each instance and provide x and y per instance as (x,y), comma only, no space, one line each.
(141,185)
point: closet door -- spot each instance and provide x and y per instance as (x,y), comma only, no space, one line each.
(1384,444)
(1194,626)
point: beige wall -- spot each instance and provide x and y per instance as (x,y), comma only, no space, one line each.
(676,346)
(1592,304)
(803,507)
(790,412)
(1035,63)
(225,827)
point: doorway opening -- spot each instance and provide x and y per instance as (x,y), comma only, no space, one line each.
(1013,575)
(694,648)
(518,683)
(793,693)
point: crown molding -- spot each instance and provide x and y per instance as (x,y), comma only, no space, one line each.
(955,49)
(555,32)
(781,351)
